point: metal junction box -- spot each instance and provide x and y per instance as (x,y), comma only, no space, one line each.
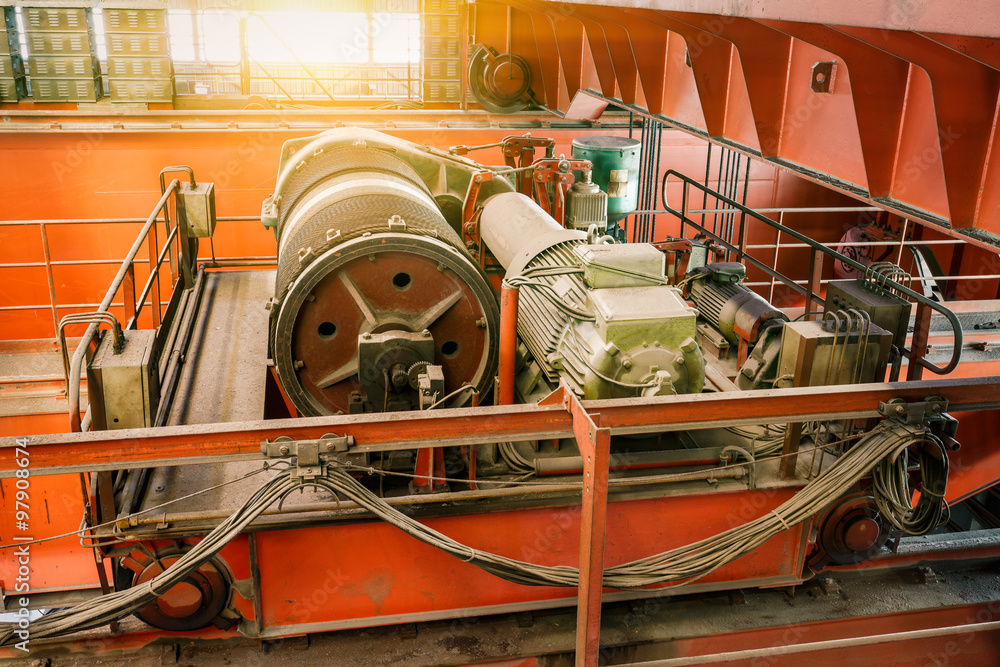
(812,356)
(621,265)
(196,203)
(631,316)
(124,388)
(887,310)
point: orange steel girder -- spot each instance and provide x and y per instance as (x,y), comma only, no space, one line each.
(979,465)
(744,79)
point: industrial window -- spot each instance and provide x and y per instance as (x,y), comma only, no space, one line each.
(297,55)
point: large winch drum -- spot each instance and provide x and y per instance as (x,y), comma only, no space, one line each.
(372,286)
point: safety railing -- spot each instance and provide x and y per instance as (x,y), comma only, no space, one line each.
(182,258)
(811,291)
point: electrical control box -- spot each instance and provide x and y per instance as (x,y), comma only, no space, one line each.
(813,355)
(123,389)
(621,265)
(887,310)
(196,204)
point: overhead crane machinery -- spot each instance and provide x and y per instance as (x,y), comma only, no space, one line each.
(461,388)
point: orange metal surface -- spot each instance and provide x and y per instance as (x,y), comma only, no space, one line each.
(907,121)
(129,448)
(65,176)
(369,582)
(970,645)
(357,575)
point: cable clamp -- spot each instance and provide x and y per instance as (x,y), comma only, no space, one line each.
(472,554)
(779,517)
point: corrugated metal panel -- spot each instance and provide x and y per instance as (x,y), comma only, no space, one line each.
(139,65)
(135,20)
(442,51)
(13,90)
(66,90)
(140,68)
(129,90)
(60,43)
(11,66)
(61,67)
(9,42)
(63,63)
(443,91)
(138,44)
(63,19)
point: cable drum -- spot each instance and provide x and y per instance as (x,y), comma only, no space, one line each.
(364,249)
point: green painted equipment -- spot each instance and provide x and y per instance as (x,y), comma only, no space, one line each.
(616,170)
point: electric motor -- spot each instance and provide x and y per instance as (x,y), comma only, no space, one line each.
(727,305)
(598,315)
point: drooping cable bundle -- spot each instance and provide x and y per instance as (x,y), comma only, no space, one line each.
(882,449)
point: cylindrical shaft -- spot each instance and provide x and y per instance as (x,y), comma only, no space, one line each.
(508,343)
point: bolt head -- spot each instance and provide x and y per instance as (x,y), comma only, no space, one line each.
(329,446)
(900,410)
(283,449)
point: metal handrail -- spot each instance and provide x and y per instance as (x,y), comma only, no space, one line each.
(76,365)
(815,245)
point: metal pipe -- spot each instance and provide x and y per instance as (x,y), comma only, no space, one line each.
(825,281)
(573,465)
(113,221)
(768,246)
(508,343)
(779,209)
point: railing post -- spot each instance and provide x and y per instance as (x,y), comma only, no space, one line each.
(684,203)
(595,447)
(918,343)
(154,271)
(48,276)
(128,296)
(815,281)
